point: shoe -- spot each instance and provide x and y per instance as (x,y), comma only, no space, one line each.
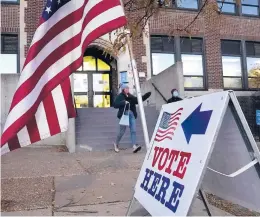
(116,148)
(136,148)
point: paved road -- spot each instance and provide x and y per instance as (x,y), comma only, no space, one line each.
(45,181)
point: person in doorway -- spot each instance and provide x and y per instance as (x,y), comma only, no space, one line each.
(123,99)
(175,96)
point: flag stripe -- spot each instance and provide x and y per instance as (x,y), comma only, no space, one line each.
(54,32)
(173,116)
(62,30)
(64,11)
(174,121)
(59,66)
(5,149)
(66,48)
(14,143)
(42,123)
(164,134)
(168,125)
(33,130)
(43,101)
(66,89)
(161,139)
(13,123)
(24,137)
(60,107)
(58,40)
(162,131)
(10,131)
(51,114)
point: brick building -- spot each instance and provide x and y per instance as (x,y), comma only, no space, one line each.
(222,52)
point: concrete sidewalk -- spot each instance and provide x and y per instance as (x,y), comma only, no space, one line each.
(45,181)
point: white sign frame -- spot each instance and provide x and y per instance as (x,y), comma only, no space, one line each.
(230,98)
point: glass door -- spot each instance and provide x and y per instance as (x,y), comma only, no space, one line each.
(81,90)
(102,90)
(92,84)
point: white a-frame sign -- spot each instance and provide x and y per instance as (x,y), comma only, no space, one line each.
(199,141)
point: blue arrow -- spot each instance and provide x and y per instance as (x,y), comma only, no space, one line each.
(196,123)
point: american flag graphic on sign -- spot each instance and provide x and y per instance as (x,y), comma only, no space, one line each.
(168,125)
(42,103)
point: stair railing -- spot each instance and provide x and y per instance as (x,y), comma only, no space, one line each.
(159,92)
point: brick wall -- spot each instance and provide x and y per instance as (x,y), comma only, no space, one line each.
(9,18)
(210,25)
(138,46)
(32,14)
(213,48)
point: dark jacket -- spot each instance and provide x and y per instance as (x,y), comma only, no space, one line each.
(174,99)
(120,103)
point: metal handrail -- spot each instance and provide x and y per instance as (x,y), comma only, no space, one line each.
(159,92)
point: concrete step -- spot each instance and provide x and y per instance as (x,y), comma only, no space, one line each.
(105,123)
(148,115)
(101,110)
(97,128)
(108,112)
(110,137)
(105,135)
(108,143)
(108,124)
(113,115)
(106,146)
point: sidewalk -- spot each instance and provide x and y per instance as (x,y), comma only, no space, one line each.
(44,181)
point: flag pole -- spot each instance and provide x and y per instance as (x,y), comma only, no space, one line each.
(138,92)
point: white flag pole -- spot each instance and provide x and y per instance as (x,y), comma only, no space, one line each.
(138,92)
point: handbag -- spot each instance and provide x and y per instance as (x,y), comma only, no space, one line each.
(125,117)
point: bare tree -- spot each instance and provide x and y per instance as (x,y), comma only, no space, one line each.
(254,75)
(139,12)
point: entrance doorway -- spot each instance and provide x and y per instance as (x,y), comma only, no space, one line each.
(92,83)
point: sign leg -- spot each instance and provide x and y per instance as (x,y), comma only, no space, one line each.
(205,201)
(130,205)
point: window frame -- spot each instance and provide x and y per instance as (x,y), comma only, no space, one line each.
(251,15)
(229,3)
(8,2)
(204,77)
(177,57)
(245,67)
(151,52)
(238,9)
(242,77)
(18,46)
(175,6)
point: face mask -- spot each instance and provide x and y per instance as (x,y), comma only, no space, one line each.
(175,93)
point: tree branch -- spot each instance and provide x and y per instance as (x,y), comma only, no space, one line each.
(196,17)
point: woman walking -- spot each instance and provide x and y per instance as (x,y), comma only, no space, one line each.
(126,104)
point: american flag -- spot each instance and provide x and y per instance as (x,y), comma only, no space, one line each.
(43,101)
(168,125)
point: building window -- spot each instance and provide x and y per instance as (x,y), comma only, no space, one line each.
(250,7)
(227,6)
(192,59)
(9,53)
(9,1)
(231,63)
(253,64)
(187,4)
(162,48)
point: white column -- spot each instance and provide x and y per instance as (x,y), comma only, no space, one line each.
(71,134)
(123,64)
(146,40)
(22,34)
